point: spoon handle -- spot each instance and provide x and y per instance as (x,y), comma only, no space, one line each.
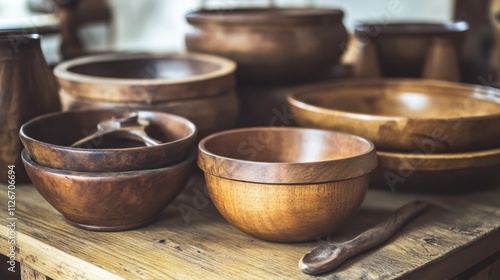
(326,257)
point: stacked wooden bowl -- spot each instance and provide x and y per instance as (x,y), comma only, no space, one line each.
(276,49)
(430,135)
(198,87)
(111,183)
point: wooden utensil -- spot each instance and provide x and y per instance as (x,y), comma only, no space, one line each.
(327,257)
(128,127)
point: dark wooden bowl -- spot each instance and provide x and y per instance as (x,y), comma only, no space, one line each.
(286,184)
(209,114)
(146,77)
(404,115)
(271,44)
(48,137)
(109,201)
(412,49)
(437,173)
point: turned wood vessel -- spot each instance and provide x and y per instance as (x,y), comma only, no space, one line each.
(286,184)
(48,139)
(404,115)
(27,89)
(271,45)
(415,50)
(198,87)
(109,201)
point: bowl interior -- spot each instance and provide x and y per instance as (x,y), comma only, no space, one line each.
(63,129)
(285,145)
(165,68)
(413,28)
(266,15)
(406,99)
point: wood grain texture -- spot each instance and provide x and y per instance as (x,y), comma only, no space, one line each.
(146,77)
(327,257)
(271,45)
(287,213)
(437,173)
(405,115)
(111,201)
(28,273)
(283,155)
(455,233)
(209,114)
(48,139)
(27,90)
(410,50)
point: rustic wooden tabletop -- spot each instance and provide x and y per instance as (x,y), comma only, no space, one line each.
(191,240)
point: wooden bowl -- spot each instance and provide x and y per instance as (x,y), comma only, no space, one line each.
(209,114)
(271,44)
(48,137)
(404,115)
(111,201)
(146,77)
(286,184)
(437,173)
(411,49)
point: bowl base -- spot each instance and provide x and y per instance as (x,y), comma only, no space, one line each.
(111,228)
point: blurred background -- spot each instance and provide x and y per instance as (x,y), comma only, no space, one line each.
(160,25)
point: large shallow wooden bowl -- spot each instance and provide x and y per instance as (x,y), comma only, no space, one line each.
(411,49)
(286,184)
(437,173)
(404,115)
(48,138)
(209,114)
(109,201)
(273,44)
(146,77)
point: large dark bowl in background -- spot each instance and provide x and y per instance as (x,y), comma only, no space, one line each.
(271,44)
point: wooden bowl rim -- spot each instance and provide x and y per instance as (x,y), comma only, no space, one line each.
(265,16)
(91,175)
(294,98)
(433,161)
(62,70)
(190,125)
(412,28)
(366,162)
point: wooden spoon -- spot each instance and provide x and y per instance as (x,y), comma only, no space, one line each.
(327,257)
(127,127)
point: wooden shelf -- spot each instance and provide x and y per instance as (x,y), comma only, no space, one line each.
(456,233)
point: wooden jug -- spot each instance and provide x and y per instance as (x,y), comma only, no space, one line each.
(27,89)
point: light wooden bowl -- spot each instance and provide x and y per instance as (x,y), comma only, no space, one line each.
(271,44)
(48,138)
(111,201)
(437,173)
(286,184)
(404,115)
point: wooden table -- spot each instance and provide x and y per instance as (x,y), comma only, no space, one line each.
(456,233)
